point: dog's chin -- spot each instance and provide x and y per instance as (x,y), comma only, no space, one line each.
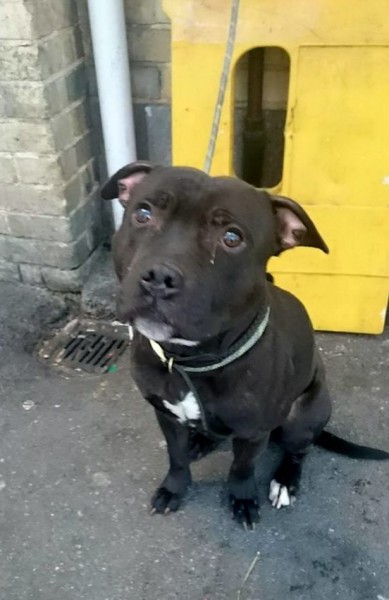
(159,332)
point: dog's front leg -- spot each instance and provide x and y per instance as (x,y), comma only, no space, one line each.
(169,494)
(241,480)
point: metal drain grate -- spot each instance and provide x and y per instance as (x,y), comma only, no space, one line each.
(87,346)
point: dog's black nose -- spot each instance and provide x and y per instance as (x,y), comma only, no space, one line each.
(161,281)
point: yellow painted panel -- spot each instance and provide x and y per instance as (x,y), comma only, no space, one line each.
(192,121)
(318,22)
(339,302)
(340,151)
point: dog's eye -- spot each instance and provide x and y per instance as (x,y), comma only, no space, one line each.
(232,238)
(142,214)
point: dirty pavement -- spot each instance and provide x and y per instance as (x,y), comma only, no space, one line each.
(80,455)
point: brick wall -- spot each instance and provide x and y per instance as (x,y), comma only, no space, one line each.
(49,216)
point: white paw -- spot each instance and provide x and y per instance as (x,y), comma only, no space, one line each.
(279,495)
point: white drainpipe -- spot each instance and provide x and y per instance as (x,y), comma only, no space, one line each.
(108,28)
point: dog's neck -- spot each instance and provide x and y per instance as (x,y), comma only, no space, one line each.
(234,342)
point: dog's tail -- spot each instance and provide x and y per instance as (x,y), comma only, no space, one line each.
(332,442)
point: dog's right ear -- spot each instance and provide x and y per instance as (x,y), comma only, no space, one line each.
(122,183)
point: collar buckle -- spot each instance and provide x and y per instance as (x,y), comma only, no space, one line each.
(159,351)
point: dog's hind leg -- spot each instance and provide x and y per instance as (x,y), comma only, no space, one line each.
(308,416)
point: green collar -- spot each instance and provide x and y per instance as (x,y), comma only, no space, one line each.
(206,363)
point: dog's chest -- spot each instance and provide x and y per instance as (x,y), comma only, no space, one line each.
(185,410)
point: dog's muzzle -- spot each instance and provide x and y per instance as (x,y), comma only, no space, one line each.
(161,281)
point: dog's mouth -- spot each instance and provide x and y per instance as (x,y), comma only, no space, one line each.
(156,320)
(159,331)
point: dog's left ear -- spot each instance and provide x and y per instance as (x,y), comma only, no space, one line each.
(295,226)
(122,183)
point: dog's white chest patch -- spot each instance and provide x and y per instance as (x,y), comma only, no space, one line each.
(186,410)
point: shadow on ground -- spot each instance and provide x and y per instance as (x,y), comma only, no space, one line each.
(81,454)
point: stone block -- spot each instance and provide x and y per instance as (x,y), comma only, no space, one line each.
(37,169)
(26,136)
(81,186)
(32,199)
(146,82)
(68,162)
(67,88)
(76,83)
(49,16)
(160,15)
(9,271)
(140,12)
(83,149)
(60,280)
(70,124)
(153,132)
(45,253)
(19,60)
(75,156)
(23,99)
(158,128)
(87,217)
(73,193)
(7,169)
(149,43)
(15,21)
(145,12)
(31,274)
(60,50)
(56,229)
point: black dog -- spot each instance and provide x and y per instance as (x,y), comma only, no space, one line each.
(218,349)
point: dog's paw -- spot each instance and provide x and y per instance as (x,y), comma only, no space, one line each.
(279,495)
(200,446)
(245,511)
(164,501)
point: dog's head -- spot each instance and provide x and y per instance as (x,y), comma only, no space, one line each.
(192,250)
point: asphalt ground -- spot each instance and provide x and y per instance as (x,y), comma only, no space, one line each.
(81,454)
